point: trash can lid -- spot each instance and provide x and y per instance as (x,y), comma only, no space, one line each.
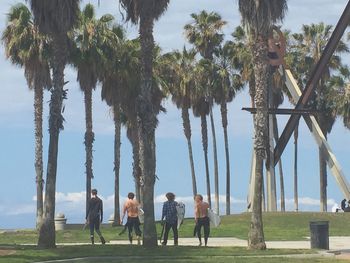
(319,222)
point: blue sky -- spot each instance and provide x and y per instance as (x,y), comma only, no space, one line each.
(17,204)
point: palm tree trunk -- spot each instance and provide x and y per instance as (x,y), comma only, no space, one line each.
(47,235)
(187,132)
(216,169)
(323,167)
(283,201)
(205,150)
(259,51)
(323,181)
(136,170)
(117,143)
(223,109)
(89,139)
(38,119)
(147,125)
(296,202)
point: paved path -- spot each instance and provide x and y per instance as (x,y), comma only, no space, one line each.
(339,246)
(335,243)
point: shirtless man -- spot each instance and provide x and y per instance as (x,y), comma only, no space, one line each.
(201,219)
(132,207)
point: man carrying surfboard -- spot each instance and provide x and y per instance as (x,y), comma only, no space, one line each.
(170,214)
(201,219)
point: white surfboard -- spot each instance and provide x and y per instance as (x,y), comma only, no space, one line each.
(215,219)
(180,208)
(141,215)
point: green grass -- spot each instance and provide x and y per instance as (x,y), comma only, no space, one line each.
(120,253)
(277,227)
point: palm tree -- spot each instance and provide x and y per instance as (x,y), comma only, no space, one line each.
(54,18)
(112,80)
(89,39)
(200,108)
(227,83)
(340,94)
(205,34)
(144,13)
(27,48)
(259,16)
(310,44)
(179,73)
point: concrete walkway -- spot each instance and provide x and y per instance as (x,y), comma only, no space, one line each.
(335,243)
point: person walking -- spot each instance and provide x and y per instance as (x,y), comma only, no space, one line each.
(94,216)
(132,208)
(169,213)
(201,219)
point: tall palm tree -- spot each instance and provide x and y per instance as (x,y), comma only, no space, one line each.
(179,73)
(54,18)
(111,78)
(144,13)
(205,33)
(310,44)
(200,108)
(228,82)
(89,40)
(27,48)
(259,16)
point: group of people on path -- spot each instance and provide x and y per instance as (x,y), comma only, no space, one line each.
(169,219)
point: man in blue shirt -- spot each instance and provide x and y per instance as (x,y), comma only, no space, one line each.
(170,215)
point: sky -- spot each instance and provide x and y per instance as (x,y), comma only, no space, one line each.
(17,200)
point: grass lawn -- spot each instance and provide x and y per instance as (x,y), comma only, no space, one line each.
(277,227)
(131,254)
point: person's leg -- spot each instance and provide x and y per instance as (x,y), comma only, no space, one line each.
(97,228)
(130,226)
(166,233)
(92,228)
(176,235)
(199,230)
(206,230)
(138,230)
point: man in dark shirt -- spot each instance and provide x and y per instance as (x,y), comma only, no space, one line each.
(94,216)
(170,215)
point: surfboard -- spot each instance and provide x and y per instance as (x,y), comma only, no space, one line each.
(141,216)
(215,219)
(180,208)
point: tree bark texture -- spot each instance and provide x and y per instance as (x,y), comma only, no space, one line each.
(323,181)
(283,200)
(38,120)
(187,131)
(117,144)
(88,142)
(296,202)
(147,124)
(47,235)
(216,169)
(205,150)
(259,51)
(223,109)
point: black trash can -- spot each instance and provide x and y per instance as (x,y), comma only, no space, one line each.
(319,235)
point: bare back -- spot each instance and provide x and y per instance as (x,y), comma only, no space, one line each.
(132,207)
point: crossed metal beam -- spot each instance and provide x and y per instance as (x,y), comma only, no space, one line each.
(311,84)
